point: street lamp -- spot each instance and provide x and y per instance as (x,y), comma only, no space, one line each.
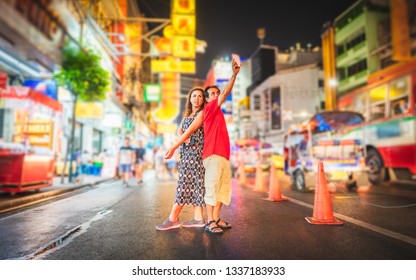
(333,83)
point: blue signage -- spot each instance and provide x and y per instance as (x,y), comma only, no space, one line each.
(47,87)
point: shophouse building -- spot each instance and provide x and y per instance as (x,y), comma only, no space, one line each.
(32,35)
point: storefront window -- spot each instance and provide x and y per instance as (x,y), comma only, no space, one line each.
(78,137)
(97,141)
(257,102)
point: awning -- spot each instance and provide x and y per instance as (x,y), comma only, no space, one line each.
(26,93)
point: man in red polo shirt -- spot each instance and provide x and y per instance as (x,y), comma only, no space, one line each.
(216,152)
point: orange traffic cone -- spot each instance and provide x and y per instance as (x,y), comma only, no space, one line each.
(274,186)
(259,185)
(242,179)
(322,209)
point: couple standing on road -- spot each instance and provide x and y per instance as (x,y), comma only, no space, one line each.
(204,169)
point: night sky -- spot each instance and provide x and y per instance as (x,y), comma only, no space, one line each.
(230,26)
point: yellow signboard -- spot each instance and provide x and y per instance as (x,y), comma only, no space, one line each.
(176,66)
(183,24)
(160,46)
(183,46)
(168,108)
(163,128)
(89,110)
(183,6)
(168,31)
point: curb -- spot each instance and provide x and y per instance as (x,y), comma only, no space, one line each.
(31,199)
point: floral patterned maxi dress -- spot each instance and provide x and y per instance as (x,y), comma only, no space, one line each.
(191,189)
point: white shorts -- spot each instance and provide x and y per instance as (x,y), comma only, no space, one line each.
(217,180)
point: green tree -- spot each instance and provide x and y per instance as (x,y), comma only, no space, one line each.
(83,76)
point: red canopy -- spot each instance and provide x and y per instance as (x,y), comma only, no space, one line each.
(20,92)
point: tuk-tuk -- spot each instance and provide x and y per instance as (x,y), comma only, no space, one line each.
(323,138)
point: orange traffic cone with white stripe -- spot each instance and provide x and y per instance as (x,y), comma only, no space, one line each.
(322,209)
(259,184)
(242,178)
(274,186)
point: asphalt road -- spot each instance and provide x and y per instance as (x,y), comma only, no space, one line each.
(113,222)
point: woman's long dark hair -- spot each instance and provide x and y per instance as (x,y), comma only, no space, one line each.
(188,109)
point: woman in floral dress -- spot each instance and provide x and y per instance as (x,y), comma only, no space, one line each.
(190,189)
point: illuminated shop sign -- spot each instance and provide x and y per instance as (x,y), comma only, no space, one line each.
(152,92)
(176,66)
(183,24)
(47,87)
(183,46)
(89,110)
(183,6)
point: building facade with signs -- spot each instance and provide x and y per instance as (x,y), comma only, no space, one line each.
(32,34)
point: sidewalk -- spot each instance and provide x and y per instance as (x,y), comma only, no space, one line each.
(8,202)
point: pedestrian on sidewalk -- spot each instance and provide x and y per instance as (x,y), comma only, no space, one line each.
(190,189)
(125,160)
(140,151)
(83,163)
(216,152)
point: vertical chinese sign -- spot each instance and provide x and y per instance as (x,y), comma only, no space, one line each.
(180,59)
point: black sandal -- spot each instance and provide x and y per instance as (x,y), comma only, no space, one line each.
(225,226)
(213,230)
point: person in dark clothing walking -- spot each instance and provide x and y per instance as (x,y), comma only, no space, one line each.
(139,161)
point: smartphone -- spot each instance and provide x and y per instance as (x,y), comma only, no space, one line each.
(236,57)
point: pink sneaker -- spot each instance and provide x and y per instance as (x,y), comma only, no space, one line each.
(167,225)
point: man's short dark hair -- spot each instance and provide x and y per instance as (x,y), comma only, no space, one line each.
(206,94)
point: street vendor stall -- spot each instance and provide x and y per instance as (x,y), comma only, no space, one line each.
(32,135)
(24,169)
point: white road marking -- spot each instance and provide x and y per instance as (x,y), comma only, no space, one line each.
(380,230)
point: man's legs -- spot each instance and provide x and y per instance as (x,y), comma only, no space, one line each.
(126,176)
(210,212)
(125,173)
(212,226)
(212,175)
(223,192)
(216,211)
(139,172)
